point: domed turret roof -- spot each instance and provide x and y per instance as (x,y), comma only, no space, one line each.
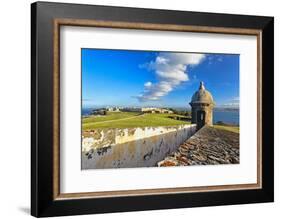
(202,95)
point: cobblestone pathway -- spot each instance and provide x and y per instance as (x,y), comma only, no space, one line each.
(208,146)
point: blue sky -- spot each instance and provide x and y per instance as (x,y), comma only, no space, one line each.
(164,79)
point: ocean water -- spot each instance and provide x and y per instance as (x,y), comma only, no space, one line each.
(229,117)
(86,111)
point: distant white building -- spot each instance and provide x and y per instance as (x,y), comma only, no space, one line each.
(138,109)
(132,109)
(155,110)
(112,109)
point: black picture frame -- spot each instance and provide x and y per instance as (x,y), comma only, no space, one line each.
(43,202)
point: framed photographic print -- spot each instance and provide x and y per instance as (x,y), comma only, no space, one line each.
(141,109)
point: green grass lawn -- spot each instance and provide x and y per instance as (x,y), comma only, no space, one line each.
(228,128)
(130,120)
(109,116)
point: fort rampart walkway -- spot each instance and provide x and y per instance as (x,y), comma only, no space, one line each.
(207,146)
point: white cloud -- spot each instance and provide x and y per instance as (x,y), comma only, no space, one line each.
(237,99)
(148,84)
(213,58)
(171,70)
(233,103)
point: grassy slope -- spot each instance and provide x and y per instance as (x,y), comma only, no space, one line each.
(228,128)
(109,116)
(130,120)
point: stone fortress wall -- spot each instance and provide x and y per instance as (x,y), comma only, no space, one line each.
(131,147)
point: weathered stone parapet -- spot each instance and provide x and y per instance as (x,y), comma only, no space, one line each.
(97,138)
(208,146)
(131,147)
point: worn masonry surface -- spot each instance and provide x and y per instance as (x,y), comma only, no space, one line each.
(206,147)
(131,147)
